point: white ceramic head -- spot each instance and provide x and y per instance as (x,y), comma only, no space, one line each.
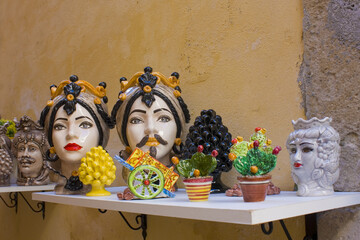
(151,115)
(75,120)
(74,135)
(29,147)
(151,129)
(314,156)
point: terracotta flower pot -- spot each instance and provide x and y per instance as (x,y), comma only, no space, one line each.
(198,189)
(254,188)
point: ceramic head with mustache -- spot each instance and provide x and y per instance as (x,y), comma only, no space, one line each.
(150,114)
(29,147)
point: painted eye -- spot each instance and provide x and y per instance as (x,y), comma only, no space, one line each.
(164,119)
(59,126)
(136,121)
(22,149)
(32,149)
(293,150)
(86,125)
(306,150)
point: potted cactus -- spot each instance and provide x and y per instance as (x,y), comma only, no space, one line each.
(196,172)
(97,169)
(254,160)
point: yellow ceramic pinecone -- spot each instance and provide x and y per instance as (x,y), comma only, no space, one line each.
(97,167)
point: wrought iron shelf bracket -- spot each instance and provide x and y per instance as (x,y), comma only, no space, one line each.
(268,230)
(140,219)
(310,224)
(14,201)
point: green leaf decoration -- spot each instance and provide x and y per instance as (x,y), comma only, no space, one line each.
(265,162)
(204,163)
(11,129)
(240,149)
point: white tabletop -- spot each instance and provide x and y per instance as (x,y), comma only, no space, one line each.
(219,208)
(16,188)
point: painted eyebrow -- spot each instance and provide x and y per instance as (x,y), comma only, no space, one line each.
(161,109)
(64,119)
(138,110)
(306,143)
(83,117)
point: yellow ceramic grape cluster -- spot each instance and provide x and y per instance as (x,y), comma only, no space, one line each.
(97,167)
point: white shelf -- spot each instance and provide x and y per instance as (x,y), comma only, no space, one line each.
(16,188)
(219,208)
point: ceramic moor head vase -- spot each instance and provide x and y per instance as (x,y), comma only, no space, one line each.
(254,160)
(6,157)
(29,147)
(314,155)
(196,172)
(150,114)
(75,120)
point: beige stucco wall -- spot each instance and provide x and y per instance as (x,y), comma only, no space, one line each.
(240,58)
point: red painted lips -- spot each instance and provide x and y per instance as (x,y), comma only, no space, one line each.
(297,165)
(72,147)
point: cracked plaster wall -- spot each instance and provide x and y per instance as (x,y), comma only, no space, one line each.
(329,81)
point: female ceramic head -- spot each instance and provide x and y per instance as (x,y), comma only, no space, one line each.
(29,147)
(75,120)
(314,154)
(150,114)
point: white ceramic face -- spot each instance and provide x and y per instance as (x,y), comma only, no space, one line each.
(30,159)
(156,120)
(74,135)
(303,154)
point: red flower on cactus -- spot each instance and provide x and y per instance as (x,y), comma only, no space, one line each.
(234,141)
(276,150)
(256,144)
(200,148)
(257,129)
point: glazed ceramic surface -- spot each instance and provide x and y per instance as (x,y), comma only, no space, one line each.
(74,135)
(29,147)
(75,120)
(152,128)
(6,157)
(150,114)
(314,156)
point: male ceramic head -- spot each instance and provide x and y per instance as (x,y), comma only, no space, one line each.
(314,154)
(151,114)
(75,120)
(29,147)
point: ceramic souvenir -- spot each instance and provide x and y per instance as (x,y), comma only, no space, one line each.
(209,131)
(75,120)
(29,148)
(97,169)
(254,160)
(148,178)
(6,156)
(314,155)
(10,128)
(150,114)
(196,172)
